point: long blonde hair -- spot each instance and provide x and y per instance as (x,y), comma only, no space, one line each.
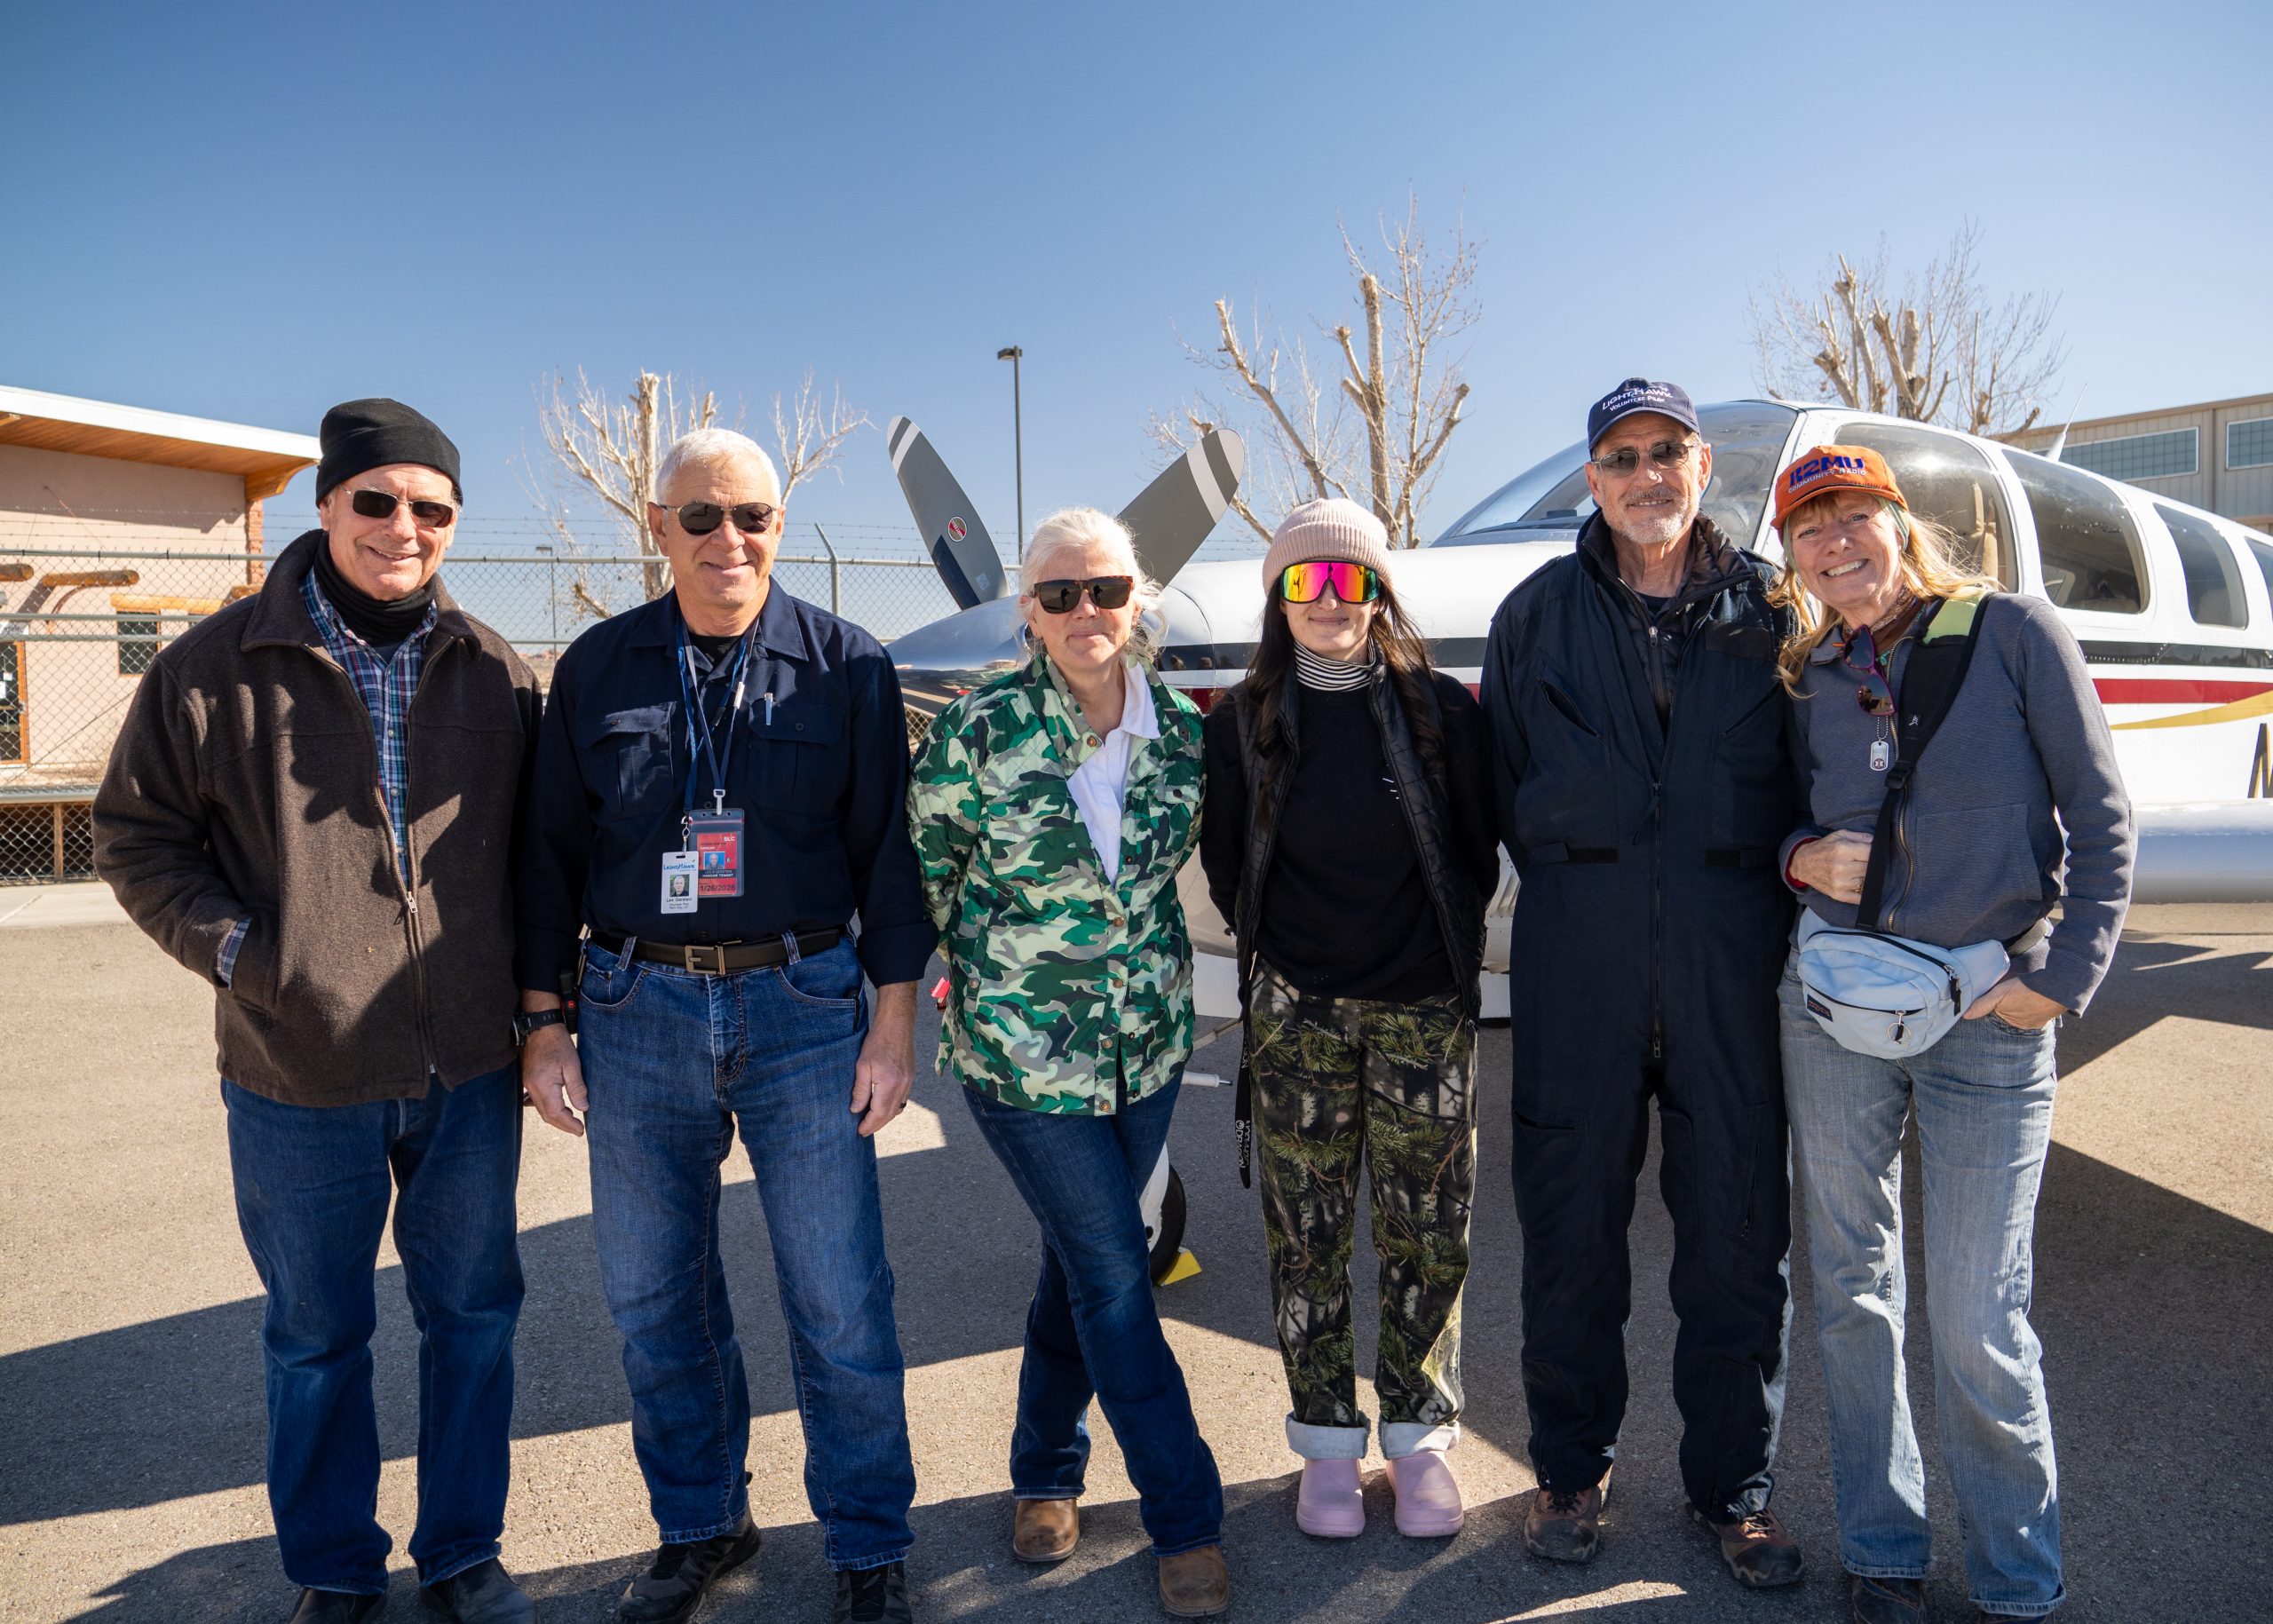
(1929,560)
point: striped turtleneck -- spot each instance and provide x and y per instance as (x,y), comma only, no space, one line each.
(1331,676)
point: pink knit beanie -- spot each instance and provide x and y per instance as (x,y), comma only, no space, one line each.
(1330,527)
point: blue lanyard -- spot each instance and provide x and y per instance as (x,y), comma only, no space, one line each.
(699,743)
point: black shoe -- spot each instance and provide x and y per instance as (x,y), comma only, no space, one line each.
(681,1575)
(1888,1601)
(873,1595)
(335,1607)
(483,1594)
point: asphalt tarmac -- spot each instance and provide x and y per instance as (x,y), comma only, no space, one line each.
(131,1428)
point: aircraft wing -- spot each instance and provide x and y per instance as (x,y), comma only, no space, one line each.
(1173,515)
(960,548)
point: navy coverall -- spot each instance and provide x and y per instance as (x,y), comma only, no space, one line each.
(1648,937)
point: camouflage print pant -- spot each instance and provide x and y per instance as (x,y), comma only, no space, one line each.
(1338,1080)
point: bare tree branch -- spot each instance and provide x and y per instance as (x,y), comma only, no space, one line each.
(1404,398)
(807,440)
(1938,351)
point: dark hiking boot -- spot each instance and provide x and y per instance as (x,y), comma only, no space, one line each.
(483,1594)
(1565,1525)
(1044,1530)
(1195,1584)
(1888,1601)
(873,1595)
(1757,1549)
(335,1607)
(681,1575)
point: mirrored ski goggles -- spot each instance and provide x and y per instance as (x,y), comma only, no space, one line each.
(382,504)
(702,518)
(1352,584)
(1063,597)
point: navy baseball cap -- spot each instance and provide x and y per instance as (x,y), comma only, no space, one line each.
(1639,394)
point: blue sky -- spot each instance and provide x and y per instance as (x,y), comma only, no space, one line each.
(250,212)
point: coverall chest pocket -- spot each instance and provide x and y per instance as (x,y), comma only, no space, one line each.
(1751,803)
(1565,799)
(628,761)
(797,755)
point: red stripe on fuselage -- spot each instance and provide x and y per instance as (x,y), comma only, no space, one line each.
(2175,690)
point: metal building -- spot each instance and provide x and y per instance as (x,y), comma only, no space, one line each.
(2217,456)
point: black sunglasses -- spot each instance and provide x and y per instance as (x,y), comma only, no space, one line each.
(1105,591)
(1625,459)
(702,518)
(382,504)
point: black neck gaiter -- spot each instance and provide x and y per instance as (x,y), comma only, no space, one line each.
(381,623)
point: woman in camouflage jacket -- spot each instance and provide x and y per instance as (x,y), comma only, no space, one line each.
(1051,810)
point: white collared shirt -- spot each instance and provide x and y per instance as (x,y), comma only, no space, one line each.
(1099,782)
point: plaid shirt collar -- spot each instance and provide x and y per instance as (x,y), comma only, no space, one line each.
(385,687)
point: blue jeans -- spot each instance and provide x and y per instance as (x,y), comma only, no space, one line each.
(1983,1099)
(312,1184)
(1092,1326)
(673,1063)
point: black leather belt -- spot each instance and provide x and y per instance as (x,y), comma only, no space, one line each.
(724,958)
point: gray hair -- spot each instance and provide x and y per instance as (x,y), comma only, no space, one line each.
(699,446)
(1075,529)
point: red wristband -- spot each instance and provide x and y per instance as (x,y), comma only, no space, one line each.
(1789,879)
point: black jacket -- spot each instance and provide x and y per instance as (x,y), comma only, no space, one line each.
(1639,843)
(1452,839)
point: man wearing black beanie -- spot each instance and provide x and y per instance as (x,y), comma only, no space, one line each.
(310,805)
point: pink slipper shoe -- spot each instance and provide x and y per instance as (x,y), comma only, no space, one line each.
(1428,1500)
(1331,1505)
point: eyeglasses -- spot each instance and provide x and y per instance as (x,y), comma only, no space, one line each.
(382,504)
(1352,584)
(1063,597)
(1625,459)
(1871,690)
(702,518)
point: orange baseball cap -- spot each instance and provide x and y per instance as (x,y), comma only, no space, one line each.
(1833,468)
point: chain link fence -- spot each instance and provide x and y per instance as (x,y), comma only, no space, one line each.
(79,625)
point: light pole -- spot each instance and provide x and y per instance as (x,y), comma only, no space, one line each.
(1014,356)
(553,591)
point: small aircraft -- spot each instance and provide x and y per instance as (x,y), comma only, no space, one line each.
(2173,607)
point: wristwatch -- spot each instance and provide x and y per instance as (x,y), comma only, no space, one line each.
(528,1020)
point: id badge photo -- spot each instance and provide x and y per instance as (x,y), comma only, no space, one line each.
(715,840)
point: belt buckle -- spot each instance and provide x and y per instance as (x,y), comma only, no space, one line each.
(695,952)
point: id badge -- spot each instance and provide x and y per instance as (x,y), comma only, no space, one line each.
(718,841)
(679,894)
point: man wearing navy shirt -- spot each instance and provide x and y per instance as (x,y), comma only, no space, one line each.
(719,789)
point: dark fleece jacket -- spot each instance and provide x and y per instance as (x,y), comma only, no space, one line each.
(245,785)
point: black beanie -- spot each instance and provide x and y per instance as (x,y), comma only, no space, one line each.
(363,434)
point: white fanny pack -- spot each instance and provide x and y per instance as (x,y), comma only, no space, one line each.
(1887,995)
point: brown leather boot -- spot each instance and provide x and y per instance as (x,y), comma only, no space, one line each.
(1565,1525)
(1044,1530)
(1757,1550)
(1195,1584)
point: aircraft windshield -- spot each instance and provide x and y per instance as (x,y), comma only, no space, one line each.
(1748,439)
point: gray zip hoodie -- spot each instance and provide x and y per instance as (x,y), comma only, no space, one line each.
(2023,754)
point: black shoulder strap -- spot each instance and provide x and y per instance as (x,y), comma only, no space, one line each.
(1930,679)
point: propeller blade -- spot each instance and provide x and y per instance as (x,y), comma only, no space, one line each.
(960,548)
(1173,515)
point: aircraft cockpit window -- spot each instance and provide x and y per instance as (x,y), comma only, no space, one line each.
(2084,539)
(1551,499)
(1950,482)
(2263,554)
(2213,596)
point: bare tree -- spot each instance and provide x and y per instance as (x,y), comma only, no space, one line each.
(607,452)
(809,439)
(1377,430)
(1939,351)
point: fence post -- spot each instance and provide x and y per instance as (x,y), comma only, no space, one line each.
(836,574)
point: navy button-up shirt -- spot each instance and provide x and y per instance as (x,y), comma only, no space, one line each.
(820,774)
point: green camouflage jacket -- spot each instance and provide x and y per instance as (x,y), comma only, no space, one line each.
(1065,993)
